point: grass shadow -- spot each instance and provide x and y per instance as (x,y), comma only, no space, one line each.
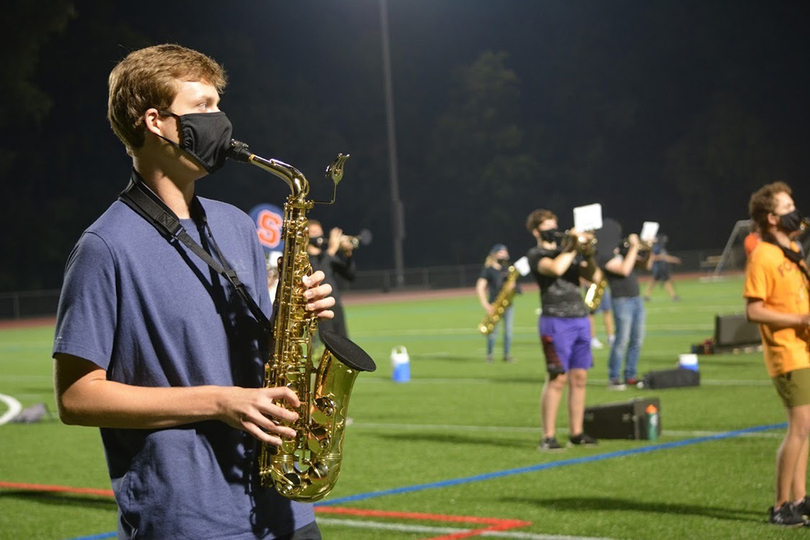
(476,440)
(651,507)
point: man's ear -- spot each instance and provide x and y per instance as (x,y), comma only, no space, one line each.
(152,120)
(536,233)
(773,220)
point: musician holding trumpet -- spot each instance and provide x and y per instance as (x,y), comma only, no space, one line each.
(619,266)
(159,341)
(334,257)
(557,263)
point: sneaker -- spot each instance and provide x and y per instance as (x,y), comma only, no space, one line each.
(787,516)
(549,444)
(596,344)
(676,298)
(632,381)
(616,384)
(803,507)
(509,359)
(583,439)
(489,359)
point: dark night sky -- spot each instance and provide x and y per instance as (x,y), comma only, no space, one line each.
(673,111)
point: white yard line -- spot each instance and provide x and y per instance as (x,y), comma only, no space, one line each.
(522,429)
(424,529)
(14,408)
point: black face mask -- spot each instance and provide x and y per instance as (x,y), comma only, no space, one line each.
(318,241)
(790,222)
(503,261)
(549,235)
(206,136)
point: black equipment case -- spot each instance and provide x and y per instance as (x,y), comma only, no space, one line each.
(671,378)
(627,420)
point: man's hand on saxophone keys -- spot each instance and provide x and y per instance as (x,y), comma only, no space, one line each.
(259,411)
(317,295)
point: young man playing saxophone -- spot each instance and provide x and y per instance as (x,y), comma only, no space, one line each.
(564,326)
(776,293)
(158,350)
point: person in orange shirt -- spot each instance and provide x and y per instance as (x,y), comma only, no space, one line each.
(776,293)
(751,240)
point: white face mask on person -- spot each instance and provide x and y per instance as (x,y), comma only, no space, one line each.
(205,136)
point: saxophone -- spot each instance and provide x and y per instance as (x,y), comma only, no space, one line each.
(502,301)
(304,468)
(586,246)
(593,296)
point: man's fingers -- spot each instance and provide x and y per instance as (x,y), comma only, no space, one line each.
(283,393)
(260,435)
(320,305)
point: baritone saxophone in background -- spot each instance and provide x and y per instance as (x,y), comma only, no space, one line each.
(305,468)
(502,301)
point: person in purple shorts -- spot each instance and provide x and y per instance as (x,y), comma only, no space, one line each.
(564,326)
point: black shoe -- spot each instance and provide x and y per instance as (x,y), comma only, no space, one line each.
(803,507)
(583,439)
(549,444)
(786,515)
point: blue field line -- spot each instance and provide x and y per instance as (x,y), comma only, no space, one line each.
(551,465)
(522,470)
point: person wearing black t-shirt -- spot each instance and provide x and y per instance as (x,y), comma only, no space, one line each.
(331,255)
(628,308)
(487,287)
(564,327)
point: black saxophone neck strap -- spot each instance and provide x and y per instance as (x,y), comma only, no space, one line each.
(148,205)
(794,256)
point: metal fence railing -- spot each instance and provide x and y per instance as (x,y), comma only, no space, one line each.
(27,304)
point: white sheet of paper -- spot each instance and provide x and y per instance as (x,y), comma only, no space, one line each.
(522,266)
(588,217)
(649,230)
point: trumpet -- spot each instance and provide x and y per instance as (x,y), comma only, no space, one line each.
(362,239)
(643,245)
(804,225)
(582,242)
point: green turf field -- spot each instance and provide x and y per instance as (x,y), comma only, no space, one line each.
(460,438)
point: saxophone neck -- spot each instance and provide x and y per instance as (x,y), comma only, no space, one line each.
(295,179)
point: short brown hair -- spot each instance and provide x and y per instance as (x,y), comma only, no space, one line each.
(147,78)
(762,203)
(537,217)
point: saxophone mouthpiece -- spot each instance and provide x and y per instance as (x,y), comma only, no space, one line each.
(239,151)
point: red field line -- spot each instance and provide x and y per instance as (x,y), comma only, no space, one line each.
(57,489)
(495,524)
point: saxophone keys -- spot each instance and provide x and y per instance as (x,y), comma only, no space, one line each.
(326,406)
(319,440)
